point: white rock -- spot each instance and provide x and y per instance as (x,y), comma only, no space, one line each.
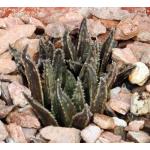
(140,74)
(119,122)
(139,107)
(91,133)
(60,134)
(144,37)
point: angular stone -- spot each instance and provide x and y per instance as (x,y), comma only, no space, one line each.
(120,100)
(127,29)
(109,137)
(6,55)
(140,74)
(29,133)
(110,13)
(144,37)
(61,134)
(95,27)
(3,131)
(119,122)
(23,119)
(103,121)
(91,133)
(9,67)
(124,55)
(13,34)
(16,133)
(55,30)
(15,90)
(33,46)
(135,125)
(139,137)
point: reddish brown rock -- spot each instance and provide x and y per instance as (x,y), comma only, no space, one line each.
(9,67)
(144,37)
(109,137)
(23,119)
(3,131)
(16,133)
(13,34)
(103,121)
(120,100)
(135,125)
(139,137)
(33,46)
(124,55)
(15,91)
(127,29)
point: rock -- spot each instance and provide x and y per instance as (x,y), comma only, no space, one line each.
(11,78)
(13,34)
(31,20)
(119,122)
(120,100)
(33,46)
(91,133)
(139,106)
(127,29)
(140,74)
(144,37)
(3,131)
(29,133)
(9,67)
(140,136)
(135,125)
(141,51)
(9,22)
(95,27)
(110,13)
(4,110)
(61,134)
(23,119)
(109,137)
(103,121)
(6,55)
(15,90)
(124,55)
(147,87)
(16,133)
(55,30)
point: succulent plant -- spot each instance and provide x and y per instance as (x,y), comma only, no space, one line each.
(71,83)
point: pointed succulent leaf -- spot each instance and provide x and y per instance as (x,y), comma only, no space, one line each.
(78,96)
(89,79)
(106,50)
(112,75)
(70,83)
(66,106)
(49,85)
(42,113)
(33,78)
(58,64)
(46,50)
(68,47)
(97,104)
(83,42)
(82,119)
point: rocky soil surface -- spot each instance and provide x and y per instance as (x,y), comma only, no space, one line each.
(130,108)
